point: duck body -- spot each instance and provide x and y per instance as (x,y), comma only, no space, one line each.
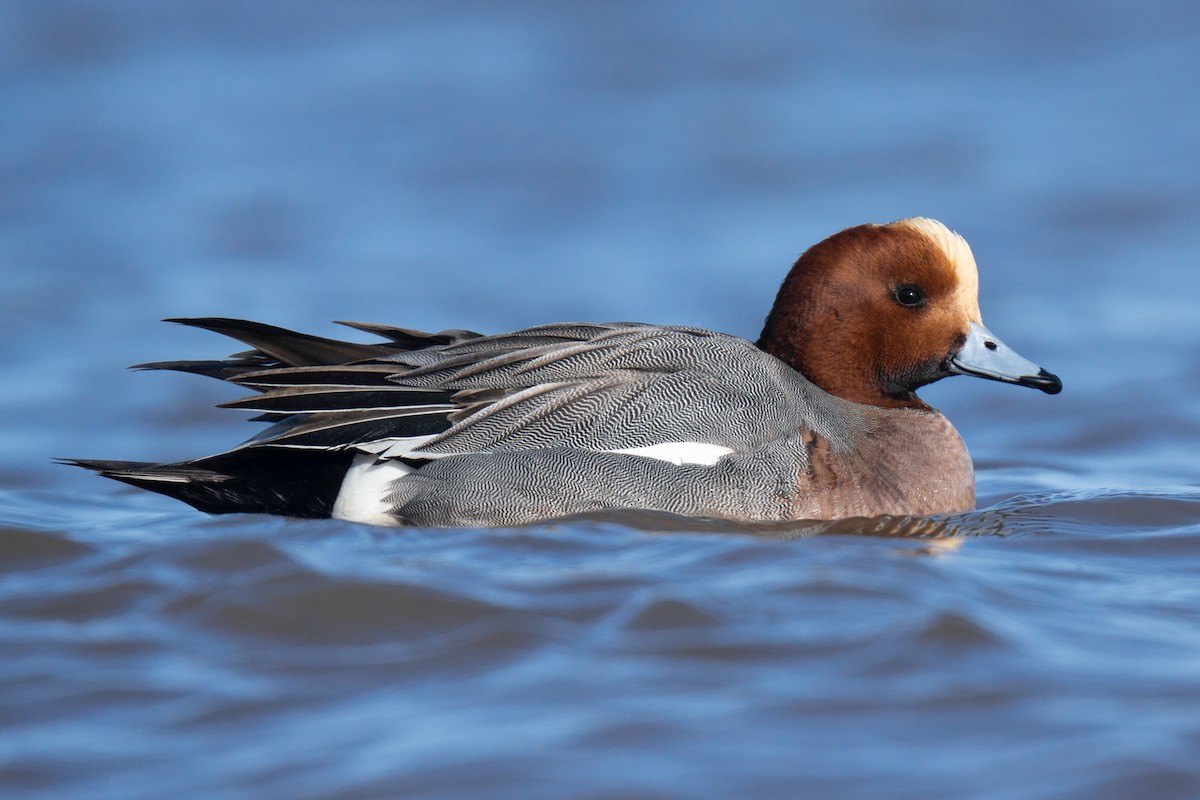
(818,420)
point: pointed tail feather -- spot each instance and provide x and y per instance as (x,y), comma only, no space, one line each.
(324,396)
(264,480)
(410,339)
(289,347)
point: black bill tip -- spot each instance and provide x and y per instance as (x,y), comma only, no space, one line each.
(1048,382)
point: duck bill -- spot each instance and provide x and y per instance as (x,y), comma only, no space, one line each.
(985,356)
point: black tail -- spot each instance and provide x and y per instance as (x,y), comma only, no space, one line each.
(252,480)
(288,469)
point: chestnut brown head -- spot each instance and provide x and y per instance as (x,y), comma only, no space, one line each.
(874,312)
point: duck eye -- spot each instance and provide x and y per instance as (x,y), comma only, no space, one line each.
(910,295)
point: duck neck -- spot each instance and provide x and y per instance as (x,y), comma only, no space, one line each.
(837,355)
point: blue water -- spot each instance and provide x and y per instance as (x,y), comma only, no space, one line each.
(493,166)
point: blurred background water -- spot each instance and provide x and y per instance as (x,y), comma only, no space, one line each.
(497,165)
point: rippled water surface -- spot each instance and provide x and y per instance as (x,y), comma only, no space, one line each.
(498,165)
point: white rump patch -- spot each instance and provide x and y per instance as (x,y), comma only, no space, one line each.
(365,488)
(680,453)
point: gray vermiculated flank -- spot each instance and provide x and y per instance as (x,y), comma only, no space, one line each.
(558,394)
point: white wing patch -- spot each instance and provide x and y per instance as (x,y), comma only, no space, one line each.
(680,453)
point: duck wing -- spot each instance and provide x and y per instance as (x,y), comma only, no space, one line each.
(602,387)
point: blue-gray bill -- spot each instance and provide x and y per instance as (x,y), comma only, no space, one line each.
(985,356)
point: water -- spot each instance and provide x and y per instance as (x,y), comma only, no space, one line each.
(496,166)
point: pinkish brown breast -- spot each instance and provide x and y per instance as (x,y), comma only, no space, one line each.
(904,461)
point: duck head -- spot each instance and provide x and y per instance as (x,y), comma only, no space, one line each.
(875,312)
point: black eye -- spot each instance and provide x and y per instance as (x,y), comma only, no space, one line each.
(910,295)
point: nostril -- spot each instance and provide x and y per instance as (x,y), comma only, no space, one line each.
(990,345)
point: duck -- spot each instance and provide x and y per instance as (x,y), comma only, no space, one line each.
(818,419)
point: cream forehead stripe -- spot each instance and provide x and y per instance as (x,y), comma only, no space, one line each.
(959,252)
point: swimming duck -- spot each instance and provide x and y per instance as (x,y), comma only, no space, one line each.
(817,420)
